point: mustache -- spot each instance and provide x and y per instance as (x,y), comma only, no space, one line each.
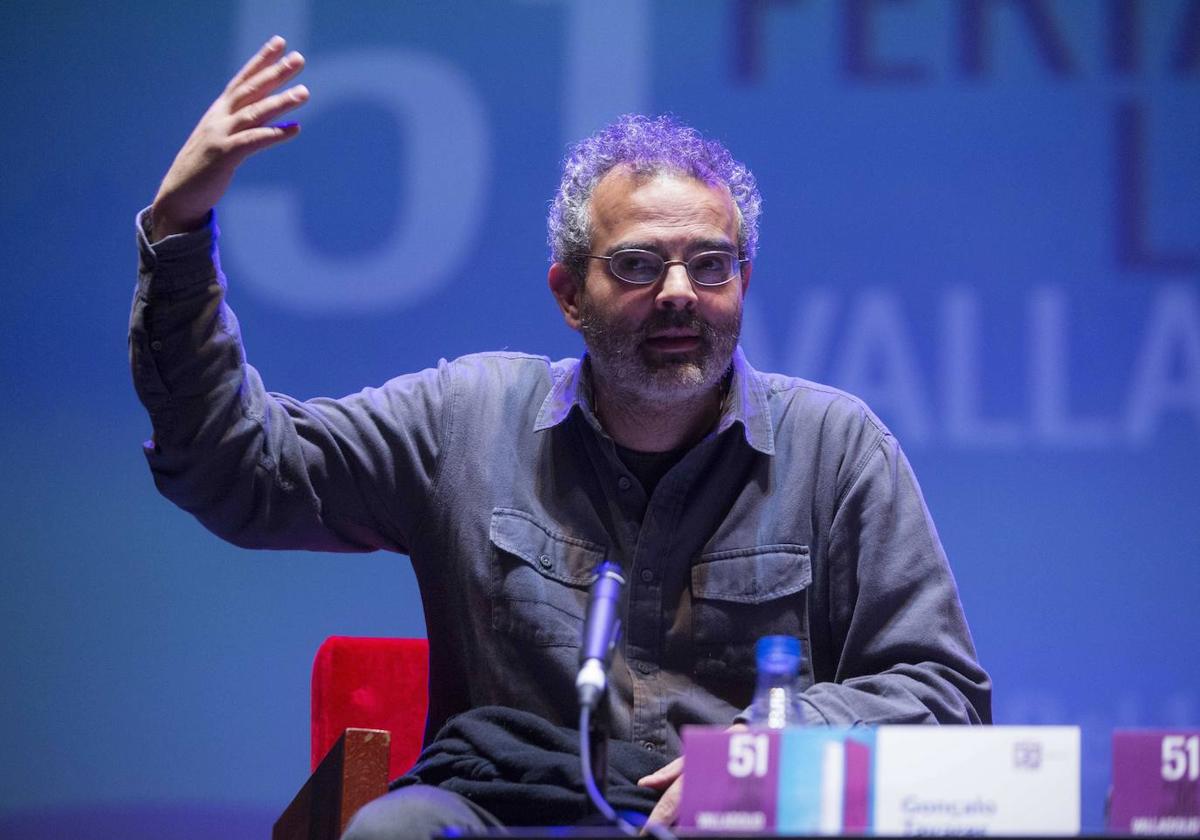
(675,319)
(595,327)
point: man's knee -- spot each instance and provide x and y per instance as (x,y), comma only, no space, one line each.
(413,813)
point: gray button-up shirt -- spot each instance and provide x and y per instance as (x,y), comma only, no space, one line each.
(797,514)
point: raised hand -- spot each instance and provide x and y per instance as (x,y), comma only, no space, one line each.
(237,125)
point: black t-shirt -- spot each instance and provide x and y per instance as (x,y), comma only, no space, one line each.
(649,467)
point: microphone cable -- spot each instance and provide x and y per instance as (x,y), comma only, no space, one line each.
(656,830)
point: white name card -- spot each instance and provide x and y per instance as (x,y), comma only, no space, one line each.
(976,780)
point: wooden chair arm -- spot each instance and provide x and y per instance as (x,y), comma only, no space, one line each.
(352,773)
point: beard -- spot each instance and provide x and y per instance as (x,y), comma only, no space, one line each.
(621,355)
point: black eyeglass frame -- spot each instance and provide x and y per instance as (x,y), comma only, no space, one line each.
(735,269)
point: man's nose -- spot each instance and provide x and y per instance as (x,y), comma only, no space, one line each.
(676,291)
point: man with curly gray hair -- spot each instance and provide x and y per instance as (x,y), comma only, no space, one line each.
(738,504)
(642,201)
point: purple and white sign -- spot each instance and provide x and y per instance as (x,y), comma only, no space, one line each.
(732,779)
(900,780)
(1156,782)
(801,781)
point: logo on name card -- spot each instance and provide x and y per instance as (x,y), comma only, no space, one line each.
(1027,755)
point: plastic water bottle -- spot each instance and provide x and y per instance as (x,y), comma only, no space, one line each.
(776,701)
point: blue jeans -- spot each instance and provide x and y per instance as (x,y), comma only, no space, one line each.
(418,812)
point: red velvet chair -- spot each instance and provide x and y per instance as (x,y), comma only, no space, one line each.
(369,700)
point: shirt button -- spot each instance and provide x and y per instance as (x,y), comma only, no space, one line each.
(647,576)
(624,483)
(648,745)
(645,667)
(155,345)
(544,559)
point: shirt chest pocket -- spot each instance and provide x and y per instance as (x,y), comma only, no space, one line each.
(539,579)
(741,595)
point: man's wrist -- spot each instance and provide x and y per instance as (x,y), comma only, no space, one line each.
(162,224)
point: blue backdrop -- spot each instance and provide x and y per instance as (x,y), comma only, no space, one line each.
(982,216)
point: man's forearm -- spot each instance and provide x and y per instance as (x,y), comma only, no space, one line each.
(901,651)
(223,448)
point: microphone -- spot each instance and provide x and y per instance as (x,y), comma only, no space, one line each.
(600,631)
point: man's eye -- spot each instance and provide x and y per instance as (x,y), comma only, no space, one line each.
(633,261)
(635,264)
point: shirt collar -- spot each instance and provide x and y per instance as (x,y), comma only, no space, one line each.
(745,403)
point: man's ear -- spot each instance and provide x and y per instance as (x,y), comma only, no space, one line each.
(747,268)
(566,290)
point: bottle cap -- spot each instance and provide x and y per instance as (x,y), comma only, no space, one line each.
(777,654)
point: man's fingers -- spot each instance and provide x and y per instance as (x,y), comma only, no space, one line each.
(667,807)
(268,53)
(658,815)
(246,143)
(259,113)
(266,80)
(663,776)
(669,776)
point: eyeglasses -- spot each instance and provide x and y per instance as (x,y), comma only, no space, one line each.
(641,268)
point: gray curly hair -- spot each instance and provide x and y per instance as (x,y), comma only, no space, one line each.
(649,146)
